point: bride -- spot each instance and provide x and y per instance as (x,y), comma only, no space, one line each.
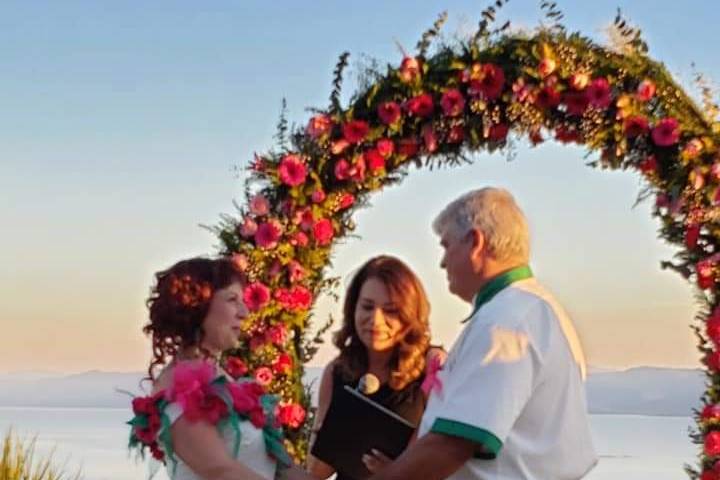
(199,421)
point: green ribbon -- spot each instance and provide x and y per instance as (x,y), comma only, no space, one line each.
(498,284)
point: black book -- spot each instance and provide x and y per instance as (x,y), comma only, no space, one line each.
(353,426)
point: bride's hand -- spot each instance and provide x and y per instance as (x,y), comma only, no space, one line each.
(375,460)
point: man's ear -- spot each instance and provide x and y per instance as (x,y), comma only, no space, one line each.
(478,247)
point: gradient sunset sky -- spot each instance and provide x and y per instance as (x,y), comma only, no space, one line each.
(121,124)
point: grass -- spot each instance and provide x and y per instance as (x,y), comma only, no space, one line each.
(19,461)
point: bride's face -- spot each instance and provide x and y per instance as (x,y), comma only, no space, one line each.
(223,323)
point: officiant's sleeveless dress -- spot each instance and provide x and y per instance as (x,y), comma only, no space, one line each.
(409,402)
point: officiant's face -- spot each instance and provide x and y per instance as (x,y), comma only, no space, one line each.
(222,325)
(377,318)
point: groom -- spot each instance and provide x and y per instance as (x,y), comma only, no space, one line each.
(512,401)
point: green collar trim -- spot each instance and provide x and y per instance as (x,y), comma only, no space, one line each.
(497,284)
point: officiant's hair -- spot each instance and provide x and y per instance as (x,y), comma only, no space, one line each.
(408,295)
(495,213)
(179,302)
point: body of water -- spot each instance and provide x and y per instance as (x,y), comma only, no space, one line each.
(631,447)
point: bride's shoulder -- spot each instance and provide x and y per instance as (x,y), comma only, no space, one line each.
(180,371)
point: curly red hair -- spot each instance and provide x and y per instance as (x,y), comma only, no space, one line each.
(179,302)
(408,295)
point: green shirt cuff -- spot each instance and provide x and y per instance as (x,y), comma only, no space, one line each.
(489,445)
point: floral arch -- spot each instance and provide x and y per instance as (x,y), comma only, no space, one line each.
(433,110)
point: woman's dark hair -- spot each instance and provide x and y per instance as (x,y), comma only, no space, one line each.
(179,302)
(408,296)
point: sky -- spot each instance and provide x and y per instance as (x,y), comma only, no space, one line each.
(122,125)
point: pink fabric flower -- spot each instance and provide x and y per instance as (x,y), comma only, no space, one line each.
(319,125)
(256,295)
(389,112)
(355,131)
(191,390)
(432,381)
(245,396)
(666,133)
(292,170)
(268,234)
(452,102)
(599,93)
(259,205)
(264,376)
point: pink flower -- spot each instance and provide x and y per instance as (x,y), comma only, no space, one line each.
(264,376)
(712,443)
(304,217)
(268,234)
(389,112)
(339,146)
(277,334)
(357,170)
(385,146)
(245,396)
(346,200)
(409,69)
(579,81)
(576,102)
(256,295)
(191,390)
(323,232)
(282,364)
(430,138)
(546,67)
(666,132)
(646,90)
(239,261)
(259,205)
(235,367)
(456,134)
(292,170)
(635,126)
(355,131)
(299,239)
(710,412)
(248,227)
(318,196)
(490,84)
(342,169)
(498,132)
(374,160)
(291,415)
(319,125)
(547,97)
(420,105)
(599,93)
(705,270)
(295,271)
(452,102)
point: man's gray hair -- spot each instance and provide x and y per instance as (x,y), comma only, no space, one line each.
(494,212)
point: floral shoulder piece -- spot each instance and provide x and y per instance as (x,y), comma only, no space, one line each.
(203,394)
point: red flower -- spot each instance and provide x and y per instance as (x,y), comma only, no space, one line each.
(498,132)
(299,239)
(712,327)
(713,361)
(389,112)
(535,136)
(692,233)
(292,170)
(430,138)
(646,90)
(649,165)
(408,147)
(385,146)
(712,443)
(264,376)
(710,411)
(318,196)
(257,417)
(635,126)
(277,334)
(245,396)
(291,415)
(319,125)
(304,217)
(375,161)
(490,84)
(420,105)
(268,234)
(143,405)
(300,297)
(567,135)
(342,169)
(666,132)
(576,102)
(547,97)
(235,367)
(192,391)
(357,169)
(705,274)
(452,102)
(323,231)
(355,131)
(456,134)
(256,295)
(409,69)
(282,364)
(709,475)
(346,200)
(599,93)
(295,271)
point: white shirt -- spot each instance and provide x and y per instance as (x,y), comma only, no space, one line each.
(512,385)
